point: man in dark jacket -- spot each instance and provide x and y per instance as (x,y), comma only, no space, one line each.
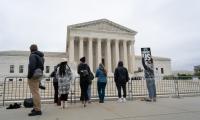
(36,61)
(121,78)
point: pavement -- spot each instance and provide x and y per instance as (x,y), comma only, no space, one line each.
(187,108)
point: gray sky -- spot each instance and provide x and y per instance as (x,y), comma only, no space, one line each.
(169,27)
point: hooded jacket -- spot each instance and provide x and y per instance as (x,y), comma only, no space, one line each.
(121,74)
(36,60)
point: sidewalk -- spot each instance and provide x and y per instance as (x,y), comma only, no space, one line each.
(187,108)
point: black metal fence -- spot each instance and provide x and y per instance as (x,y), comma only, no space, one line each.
(17,89)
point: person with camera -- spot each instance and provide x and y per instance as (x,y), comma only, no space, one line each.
(35,72)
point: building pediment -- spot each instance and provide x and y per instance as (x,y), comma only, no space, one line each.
(103,25)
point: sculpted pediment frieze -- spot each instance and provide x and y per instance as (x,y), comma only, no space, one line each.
(103,25)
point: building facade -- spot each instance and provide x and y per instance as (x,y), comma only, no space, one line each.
(101,41)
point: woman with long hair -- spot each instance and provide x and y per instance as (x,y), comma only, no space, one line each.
(101,75)
(64,76)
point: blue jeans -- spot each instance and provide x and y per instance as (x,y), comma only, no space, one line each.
(101,90)
(89,91)
(151,87)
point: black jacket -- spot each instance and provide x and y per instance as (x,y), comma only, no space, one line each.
(81,67)
(36,60)
(121,74)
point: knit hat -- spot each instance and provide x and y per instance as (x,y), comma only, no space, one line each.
(82,59)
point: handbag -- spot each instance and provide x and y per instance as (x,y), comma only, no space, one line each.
(37,74)
(91,76)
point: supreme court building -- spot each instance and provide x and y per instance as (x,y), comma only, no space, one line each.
(101,41)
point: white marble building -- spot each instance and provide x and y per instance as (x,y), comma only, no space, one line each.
(100,40)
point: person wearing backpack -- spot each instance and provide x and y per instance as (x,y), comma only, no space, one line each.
(101,74)
(64,76)
(84,71)
(55,85)
(36,62)
(121,78)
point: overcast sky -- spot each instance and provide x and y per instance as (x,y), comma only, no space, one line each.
(170,27)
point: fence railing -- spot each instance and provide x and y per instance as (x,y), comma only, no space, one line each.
(17,89)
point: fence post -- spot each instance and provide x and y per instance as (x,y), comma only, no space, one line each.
(176,88)
(130,90)
(4,89)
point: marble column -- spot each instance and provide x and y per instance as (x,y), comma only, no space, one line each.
(99,51)
(125,60)
(90,54)
(108,50)
(116,52)
(81,50)
(71,46)
(130,57)
(133,56)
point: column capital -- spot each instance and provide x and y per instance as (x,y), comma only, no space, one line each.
(132,41)
(90,39)
(98,39)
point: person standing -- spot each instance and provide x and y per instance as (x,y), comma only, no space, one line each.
(84,71)
(150,80)
(121,78)
(55,85)
(64,76)
(101,74)
(36,61)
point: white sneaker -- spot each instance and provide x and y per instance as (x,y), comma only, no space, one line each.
(124,100)
(119,100)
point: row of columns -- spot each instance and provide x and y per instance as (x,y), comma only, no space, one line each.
(99,52)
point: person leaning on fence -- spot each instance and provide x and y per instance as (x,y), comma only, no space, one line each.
(55,85)
(101,75)
(121,78)
(83,71)
(64,76)
(150,80)
(36,61)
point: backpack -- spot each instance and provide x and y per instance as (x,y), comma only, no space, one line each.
(28,102)
(84,70)
(85,73)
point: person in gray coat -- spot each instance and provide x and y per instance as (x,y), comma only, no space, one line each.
(150,80)
(64,76)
